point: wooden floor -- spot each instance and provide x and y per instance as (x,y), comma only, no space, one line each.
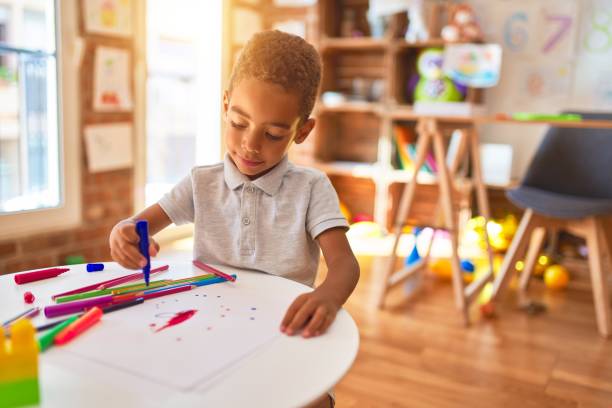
(416,353)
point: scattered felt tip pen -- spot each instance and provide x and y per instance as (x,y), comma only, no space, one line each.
(26,314)
(79,326)
(95,267)
(142,228)
(215,271)
(27,277)
(46,340)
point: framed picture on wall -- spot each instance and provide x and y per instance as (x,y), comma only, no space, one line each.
(111,82)
(108,17)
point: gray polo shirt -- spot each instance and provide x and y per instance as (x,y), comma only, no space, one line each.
(268,224)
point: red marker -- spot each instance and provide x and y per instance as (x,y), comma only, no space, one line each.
(79,326)
(159,293)
(210,269)
(34,276)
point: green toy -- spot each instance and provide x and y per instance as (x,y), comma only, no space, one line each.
(433,86)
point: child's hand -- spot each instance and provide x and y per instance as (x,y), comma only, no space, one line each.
(314,311)
(124,241)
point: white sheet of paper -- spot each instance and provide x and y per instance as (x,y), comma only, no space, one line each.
(108,146)
(111,84)
(231,321)
(496,162)
(108,17)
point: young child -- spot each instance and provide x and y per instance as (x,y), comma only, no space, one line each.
(256,210)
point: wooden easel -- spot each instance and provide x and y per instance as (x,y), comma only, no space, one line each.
(430,134)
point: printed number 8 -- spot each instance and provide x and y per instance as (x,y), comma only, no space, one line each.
(599,38)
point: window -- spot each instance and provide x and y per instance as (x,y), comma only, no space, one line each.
(29,155)
(183,90)
(36,147)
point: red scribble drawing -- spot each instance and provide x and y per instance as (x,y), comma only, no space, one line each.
(178,318)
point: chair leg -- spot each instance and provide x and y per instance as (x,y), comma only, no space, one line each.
(535,246)
(518,242)
(598,278)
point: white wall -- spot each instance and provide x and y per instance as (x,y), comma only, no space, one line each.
(557,56)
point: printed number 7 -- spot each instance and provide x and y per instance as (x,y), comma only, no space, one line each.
(565,23)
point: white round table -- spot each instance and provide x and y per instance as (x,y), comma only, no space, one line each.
(285,372)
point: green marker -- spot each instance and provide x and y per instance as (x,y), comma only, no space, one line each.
(46,340)
(118,290)
(570,117)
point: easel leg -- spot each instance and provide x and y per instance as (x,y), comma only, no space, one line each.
(402,212)
(447,208)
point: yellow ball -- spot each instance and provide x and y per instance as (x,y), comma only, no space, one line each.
(556,277)
(441,267)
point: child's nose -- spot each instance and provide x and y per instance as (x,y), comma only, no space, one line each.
(252,142)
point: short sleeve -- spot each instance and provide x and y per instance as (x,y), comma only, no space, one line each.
(324,208)
(178,202)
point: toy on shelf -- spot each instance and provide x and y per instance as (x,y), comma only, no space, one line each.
(19,366)
(432,85)
(417,30)
(462,26)
(380,10)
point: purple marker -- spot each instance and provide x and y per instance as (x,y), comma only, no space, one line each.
(77,306)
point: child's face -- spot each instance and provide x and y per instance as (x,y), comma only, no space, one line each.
(262,121)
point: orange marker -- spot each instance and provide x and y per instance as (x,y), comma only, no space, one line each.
(79,326)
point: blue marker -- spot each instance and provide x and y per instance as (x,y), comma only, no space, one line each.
(142,228)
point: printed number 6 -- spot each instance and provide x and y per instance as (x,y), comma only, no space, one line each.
(515,33)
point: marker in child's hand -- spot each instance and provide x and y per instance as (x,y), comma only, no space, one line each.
(142,228)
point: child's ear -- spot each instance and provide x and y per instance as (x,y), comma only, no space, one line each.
(225,101)
(304,131)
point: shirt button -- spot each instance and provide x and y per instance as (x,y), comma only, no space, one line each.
(251,189)
(246,221)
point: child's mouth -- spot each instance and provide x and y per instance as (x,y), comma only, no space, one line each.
(250,163)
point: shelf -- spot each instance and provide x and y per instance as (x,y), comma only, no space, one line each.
(351,169)
(401,44)
(350,107)
(352,43)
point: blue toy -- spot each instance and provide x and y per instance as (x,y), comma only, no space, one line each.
(414,256)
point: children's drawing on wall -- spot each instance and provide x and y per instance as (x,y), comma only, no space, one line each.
(595,86)
(473,64)
(597,30)
(108,146)
(108,17)
(112,80)
(545,81)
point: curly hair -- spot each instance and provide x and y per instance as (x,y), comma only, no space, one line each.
(282,59)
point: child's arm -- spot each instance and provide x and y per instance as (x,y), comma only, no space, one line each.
(315,311)
(124,240)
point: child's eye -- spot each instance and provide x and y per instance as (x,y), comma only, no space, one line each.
(274,137)
(237,125)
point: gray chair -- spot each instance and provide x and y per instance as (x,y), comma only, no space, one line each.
(568,186)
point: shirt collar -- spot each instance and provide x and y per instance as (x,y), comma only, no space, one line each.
(269,182)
